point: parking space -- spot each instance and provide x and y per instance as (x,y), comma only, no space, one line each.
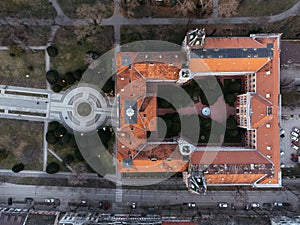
(288,122)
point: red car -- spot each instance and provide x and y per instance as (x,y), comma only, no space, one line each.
(295,156)
(295,143)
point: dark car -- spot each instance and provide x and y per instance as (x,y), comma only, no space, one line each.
(9,201)
(266,205)
(28,199)
(286,204)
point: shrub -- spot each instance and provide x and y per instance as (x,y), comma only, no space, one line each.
(50,138)
(52,51)
(70,79)
(52,76)
(56,88)
(60,132)
(69,159)
(18,167)
(52,167)
(53,125)
(77,74)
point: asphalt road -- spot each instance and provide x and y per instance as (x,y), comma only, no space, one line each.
(143,197)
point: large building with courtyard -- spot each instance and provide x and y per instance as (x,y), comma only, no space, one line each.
(233,84)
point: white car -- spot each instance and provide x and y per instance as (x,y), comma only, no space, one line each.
(294,134)
(295,147)
(191,204)
(294,138)
(49,200)
(255,205)
(223,205)
(295,129)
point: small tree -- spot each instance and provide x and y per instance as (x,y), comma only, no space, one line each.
(62,82)
(65,139)
(230,98)
(52,168)
(60,132)
(52,51)
(77,74)
(53,125)
(56,88)
(18,167)
(50,138)
(70,79)
(69,159)
(52,76)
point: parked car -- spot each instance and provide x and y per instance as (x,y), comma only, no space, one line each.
(254,205)
(294,160)
(295,129)
(282,133)
(9,201)
(233,206)
(286,204)
(266,205)
(294,134)
(83,203)
(133,205)
(278,204)
(294,138)
(295,143)
(49,200)
(223,205)
(295,156)
(295,147)
(28,199)
(247,206)
(191,204)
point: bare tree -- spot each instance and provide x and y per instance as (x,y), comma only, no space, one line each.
(93,12)
(186,7)
(129,7)
(228,7)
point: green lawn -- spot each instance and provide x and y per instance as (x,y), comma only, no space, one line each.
(26,9)
(73,45)
(264,7)
(70,6)
(15,68)
(24,142)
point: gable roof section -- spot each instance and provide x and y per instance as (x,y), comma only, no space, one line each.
(228,157)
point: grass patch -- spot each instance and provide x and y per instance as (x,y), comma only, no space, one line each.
(170,33)
(51,158)
(24,142)
(264,8)
(69,7)
(73,45)
(26,9)
(15,68)
(27,35)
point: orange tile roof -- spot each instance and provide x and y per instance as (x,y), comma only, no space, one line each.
(231,42)
(224,179)
(226,64)
(131,84)
(227,157)
(259,114)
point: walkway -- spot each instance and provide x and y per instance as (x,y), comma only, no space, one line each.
(118,19)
